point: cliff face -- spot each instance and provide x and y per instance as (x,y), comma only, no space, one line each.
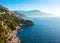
(8,23)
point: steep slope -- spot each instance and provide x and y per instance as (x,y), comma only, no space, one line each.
(8,22)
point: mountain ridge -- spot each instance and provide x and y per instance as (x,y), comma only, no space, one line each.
(32,13)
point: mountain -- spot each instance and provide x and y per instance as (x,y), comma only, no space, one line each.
(4,9)
(33,13)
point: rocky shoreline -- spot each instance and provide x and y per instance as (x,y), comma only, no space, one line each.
(13,38)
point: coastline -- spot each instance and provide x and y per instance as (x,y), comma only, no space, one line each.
(13,36)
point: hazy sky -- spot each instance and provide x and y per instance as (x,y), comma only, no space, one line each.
(48,6)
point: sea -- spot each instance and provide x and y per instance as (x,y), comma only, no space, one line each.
(44,30)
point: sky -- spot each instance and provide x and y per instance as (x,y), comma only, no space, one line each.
(48,6)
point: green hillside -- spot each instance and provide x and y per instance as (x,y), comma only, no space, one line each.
(8,23)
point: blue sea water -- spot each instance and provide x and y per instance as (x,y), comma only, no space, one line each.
(44,30)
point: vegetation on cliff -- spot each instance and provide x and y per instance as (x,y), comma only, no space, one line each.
(8,23)
(28,22)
